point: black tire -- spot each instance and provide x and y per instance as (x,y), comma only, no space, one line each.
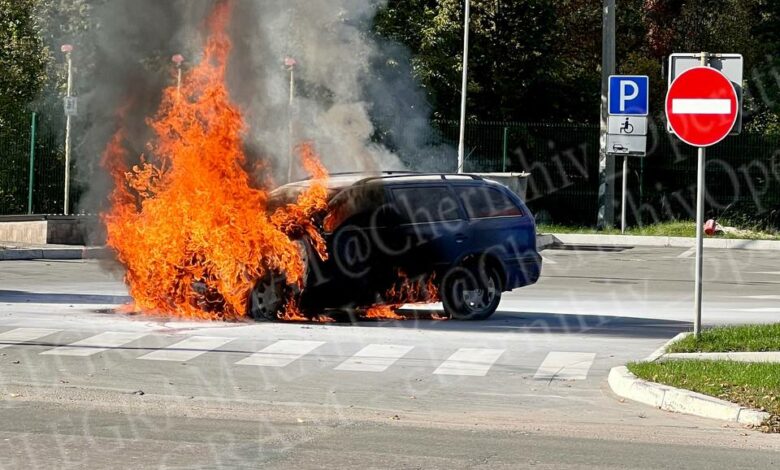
(471,294)
(269,297)
(271,294)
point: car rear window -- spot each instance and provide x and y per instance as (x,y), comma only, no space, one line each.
(426,204)
(483,202)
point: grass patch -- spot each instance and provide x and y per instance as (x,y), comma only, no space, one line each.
(666,229)
(749,338)
(754,385)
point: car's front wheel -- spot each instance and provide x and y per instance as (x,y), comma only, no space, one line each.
(471,293)
(269,297)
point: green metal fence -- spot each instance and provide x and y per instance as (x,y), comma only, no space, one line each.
(32,163)
(743,172)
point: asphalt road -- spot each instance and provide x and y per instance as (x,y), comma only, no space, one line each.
(84,386)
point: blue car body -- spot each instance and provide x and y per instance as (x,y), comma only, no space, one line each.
(384,226)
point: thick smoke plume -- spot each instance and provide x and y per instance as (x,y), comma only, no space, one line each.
(345,83)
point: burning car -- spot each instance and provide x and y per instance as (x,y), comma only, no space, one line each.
(398,238)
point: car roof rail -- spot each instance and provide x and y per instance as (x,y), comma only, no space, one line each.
(443,176)
(351,173)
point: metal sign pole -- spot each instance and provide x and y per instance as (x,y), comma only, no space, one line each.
(290,130)
(699,241)
(624,202)
(606,195)
(700,184)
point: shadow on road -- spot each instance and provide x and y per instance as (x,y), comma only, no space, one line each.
(541,323)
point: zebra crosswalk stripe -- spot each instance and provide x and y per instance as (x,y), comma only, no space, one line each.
(470,362)
(565,366)
(281,353)
(23,335)
(95,344)
(187,349)
(375,358)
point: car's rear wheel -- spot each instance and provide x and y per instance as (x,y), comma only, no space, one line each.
(471,294)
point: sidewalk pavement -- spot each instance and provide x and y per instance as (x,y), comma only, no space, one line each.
(667,242)
(10,251)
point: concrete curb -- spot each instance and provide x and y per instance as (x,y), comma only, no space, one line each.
(771,356)
(662,350)
(666,242)
(625,384)
(544,241)
(74,253)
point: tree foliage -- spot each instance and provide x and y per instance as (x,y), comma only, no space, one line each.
(22,56)
(529,59)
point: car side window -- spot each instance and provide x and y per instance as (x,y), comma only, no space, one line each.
(426,204)
(483,202)
(361,206)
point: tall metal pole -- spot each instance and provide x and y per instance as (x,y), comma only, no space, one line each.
(624,201)
(178,60)
(464,89)
(701,188)
(606,214)
(68,50)
(31,181)
(291,145)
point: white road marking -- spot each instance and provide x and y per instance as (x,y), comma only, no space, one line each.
(548,260)
(375,358)
(188,349)
(471,362)
(688,253)
(565,366)
(701,106)
(756,310)
(23,335)
(95,344)
(281,353)
(771,273)
(762,297)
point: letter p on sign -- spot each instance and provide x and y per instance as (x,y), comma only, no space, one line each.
(629,95)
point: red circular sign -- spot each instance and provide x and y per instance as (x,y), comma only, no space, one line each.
(702,106)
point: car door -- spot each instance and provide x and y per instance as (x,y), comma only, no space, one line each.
(496,222)
(431,228)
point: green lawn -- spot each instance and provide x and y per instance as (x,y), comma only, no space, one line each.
(665,229)
(755,385)
(750,338)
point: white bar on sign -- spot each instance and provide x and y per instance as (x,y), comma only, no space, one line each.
(701,106)
(565,366)
(95,344)
(23,335)
(472,362)
(375,358)
(281,353)
(188,349)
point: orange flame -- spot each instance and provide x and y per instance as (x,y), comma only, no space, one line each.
(186,221)
(405,291)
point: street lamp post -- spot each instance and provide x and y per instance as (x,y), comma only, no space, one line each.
(67,49)
(178,59)
(464,89)
(290,63)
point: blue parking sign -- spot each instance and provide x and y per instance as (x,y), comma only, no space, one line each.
(629,95)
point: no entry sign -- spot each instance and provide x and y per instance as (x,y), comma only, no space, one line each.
(702,106)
